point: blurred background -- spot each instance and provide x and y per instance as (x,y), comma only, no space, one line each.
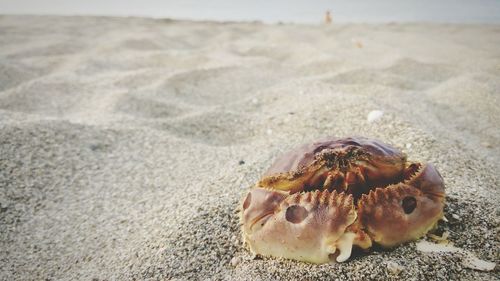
(298,11)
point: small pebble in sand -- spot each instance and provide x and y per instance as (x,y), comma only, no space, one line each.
(486,144)
(235,261)
(241,162)
(394,268)
(408,145)
(255,257)
(374,116)
(455,216)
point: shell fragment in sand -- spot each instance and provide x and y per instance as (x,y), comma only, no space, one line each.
(469,260)
(394,268)
(374,116)
(473,262)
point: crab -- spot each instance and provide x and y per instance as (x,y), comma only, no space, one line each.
(317,202)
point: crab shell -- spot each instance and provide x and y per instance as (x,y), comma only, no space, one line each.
(318,201)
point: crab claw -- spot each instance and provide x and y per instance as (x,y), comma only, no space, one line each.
(404,211)
(309,226)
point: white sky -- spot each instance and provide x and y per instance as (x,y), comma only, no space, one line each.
(302,11)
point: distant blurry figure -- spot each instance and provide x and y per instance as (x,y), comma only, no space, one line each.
(328,17)
(357,42)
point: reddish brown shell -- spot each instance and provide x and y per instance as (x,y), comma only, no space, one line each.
(298,158)
(317,201)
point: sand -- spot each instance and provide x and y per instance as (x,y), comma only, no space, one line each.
(127,143)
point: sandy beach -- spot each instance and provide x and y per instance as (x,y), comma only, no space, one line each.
(126,144)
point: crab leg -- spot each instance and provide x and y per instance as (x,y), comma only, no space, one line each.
(355,183)
(334,181)
(328,182)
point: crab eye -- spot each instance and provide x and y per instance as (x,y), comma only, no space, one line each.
(409,204)
(296,214)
